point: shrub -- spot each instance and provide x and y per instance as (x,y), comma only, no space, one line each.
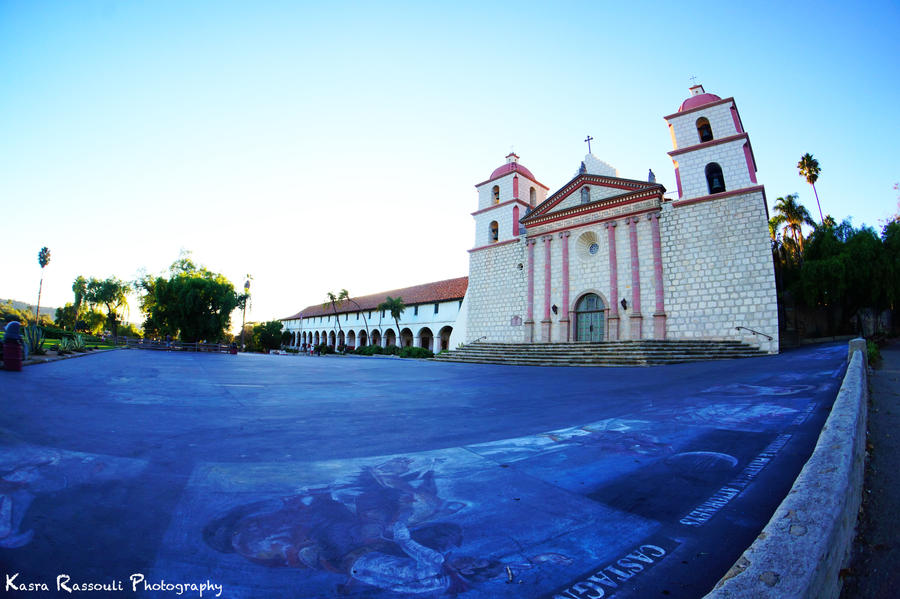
(392,350)
(78,343)
(324,348)
(874,355)
(34,337)
(369,350)
(66,346)
(416,352)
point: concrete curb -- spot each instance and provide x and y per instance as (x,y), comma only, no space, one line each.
(808,540)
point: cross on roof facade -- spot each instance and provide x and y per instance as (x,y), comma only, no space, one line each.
(588,140)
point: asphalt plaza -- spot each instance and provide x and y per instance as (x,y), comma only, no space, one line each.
(286,476)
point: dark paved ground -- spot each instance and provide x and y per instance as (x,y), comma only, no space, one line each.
(875,570)
(328,477)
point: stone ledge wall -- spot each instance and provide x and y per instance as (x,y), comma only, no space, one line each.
(808,540)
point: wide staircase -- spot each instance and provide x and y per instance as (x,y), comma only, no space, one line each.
(608,353)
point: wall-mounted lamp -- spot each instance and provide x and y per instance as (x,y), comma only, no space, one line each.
(624,304)
(555,309)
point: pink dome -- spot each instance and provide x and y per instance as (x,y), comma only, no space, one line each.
(698,100)
(511,167)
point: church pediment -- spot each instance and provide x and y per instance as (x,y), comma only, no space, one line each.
(590,192)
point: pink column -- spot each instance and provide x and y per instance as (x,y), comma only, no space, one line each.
(529,319)
(545,323)
(565,334)
(613,283)
(636,318)
(659,315)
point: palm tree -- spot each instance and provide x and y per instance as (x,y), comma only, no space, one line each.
(336,300)
(396,307)
(346,293)
(79,288)
(809,169)
(43,260)
(793,215)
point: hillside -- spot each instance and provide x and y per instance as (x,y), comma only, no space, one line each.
(48,310)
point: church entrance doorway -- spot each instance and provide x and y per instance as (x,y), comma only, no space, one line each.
(590,319)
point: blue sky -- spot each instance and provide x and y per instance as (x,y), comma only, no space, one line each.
(326,146)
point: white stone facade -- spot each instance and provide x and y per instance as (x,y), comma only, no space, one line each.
(697,267)
(719,275)
(496,295)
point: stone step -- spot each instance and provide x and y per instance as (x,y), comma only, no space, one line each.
(610,353)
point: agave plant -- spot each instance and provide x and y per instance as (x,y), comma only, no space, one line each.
(34,337)
(66,345)
(78,342)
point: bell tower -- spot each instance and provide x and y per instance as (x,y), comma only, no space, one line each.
(719,286)
(712,152)
(503,200)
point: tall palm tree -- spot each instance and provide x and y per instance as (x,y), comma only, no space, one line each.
(79,288)
(336,300)
(792,215)
(809,170)
(396,307)
(365,320)
(43,260)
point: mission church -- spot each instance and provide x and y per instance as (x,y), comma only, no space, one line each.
(603,258)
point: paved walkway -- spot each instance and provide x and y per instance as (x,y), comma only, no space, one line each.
(327,477)
(875,570)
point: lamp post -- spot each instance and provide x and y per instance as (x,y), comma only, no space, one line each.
(246,301)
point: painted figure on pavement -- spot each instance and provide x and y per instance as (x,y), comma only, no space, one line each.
(382,530)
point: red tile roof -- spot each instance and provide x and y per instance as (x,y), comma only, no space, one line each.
(439,291)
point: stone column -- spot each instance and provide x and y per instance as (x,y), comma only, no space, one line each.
(545,323)
(613,283)
(636,317)
(436,343)
(564,329)
(529,318)
(659,314)
(417,341)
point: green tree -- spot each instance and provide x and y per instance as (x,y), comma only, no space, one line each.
(65,317)
(79,288)
(112,294)
(792,215)
(192,303)
(890,239)
(92,321)
(267,335)
(809,170)
(43,260)
(8,312)
(396,307)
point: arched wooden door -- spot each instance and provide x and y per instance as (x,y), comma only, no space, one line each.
(590,319)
